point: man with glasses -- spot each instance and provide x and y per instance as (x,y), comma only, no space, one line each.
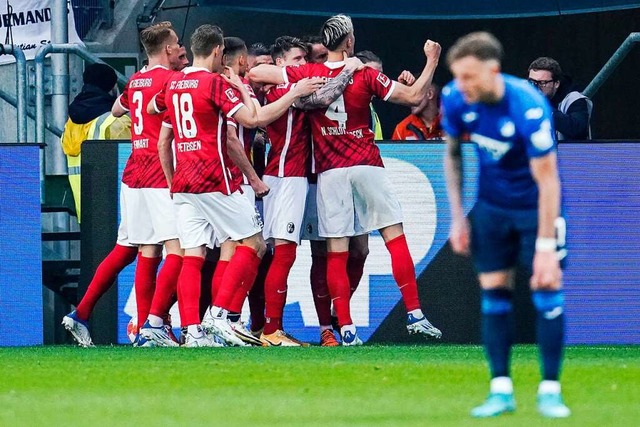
(572,109)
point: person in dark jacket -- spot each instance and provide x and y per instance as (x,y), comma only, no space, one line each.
(572,109)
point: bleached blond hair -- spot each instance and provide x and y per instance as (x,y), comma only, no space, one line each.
(335,30)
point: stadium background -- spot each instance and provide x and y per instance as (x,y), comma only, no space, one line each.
(607,292)
(601,276)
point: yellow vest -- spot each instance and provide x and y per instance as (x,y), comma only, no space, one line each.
(105,126)
(375,120)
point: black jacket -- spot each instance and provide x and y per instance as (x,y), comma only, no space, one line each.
(574,124)
(90,103)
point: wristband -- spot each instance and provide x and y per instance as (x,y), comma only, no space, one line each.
(546,244)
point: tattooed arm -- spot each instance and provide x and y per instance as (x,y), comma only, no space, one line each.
(324,96)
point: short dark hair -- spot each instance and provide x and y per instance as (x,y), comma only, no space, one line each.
(315,39)
(258,49)
(206,38)
(155,36)
(481,45)
(367,56)
(548,64)
(335,30)
(284,44)
(233,46)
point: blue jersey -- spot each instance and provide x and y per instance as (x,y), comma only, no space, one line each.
(507,135)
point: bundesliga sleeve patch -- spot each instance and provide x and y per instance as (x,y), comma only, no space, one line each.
(231,95)
(384,80)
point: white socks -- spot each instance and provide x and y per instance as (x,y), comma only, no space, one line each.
(549,387)
(155,321)
(501,385)
(504,385)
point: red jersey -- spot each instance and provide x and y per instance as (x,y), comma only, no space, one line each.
(341,133)
(245,135)
(290,139)
(143,169)
(198,103)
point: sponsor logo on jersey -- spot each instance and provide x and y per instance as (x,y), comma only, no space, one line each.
(507,129)
(290,228)
(496,148)
(469,117)
(534,113)
(542,139)
(384,80)
(231,95)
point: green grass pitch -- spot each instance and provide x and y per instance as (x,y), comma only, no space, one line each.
(429,385)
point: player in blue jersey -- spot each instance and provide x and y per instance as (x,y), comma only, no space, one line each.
(516,218)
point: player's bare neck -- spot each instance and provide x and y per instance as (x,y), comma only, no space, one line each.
(335,56)
(498,91)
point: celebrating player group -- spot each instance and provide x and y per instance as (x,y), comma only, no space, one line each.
(197,169)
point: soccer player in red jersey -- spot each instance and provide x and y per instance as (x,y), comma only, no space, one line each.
(147,204)
(352,182)
(286,176)
(145,220)
(207,197)
(239,145)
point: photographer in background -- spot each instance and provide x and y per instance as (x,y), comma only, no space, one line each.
(572,109)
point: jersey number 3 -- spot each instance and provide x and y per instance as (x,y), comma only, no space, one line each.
(183,107)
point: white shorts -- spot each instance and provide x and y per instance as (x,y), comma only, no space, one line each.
(310,219)
(355,200)
(249,193)
(284,207)
(208,217)
(150,215)
(123,229)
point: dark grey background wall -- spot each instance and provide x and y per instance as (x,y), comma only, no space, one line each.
(581,43)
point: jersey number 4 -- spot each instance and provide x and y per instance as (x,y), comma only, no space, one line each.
(183,107)
(337,112)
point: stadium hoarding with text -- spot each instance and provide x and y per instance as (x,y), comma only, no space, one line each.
(601,199)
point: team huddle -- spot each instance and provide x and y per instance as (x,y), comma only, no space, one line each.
(190,186)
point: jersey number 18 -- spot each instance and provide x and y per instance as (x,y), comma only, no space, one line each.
(183,107)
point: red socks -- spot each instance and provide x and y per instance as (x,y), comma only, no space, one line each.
(256,294)
(338,282)
(237,301)
(320,290)
(218,274)
(119,257)
(145,285)
(355,269)
(166,285)
(189,290)
(242,267)
(275,286)
(404,271)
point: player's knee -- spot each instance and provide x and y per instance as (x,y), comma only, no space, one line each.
(497,301)
(546,301)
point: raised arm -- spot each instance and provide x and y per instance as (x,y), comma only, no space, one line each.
(166,153)
(266,73)
(247,116)
(324,96)
(459,235)
(271,111)
(412,95)
(546,268)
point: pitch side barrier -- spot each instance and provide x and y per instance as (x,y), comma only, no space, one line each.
(20,245)
(601,201)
